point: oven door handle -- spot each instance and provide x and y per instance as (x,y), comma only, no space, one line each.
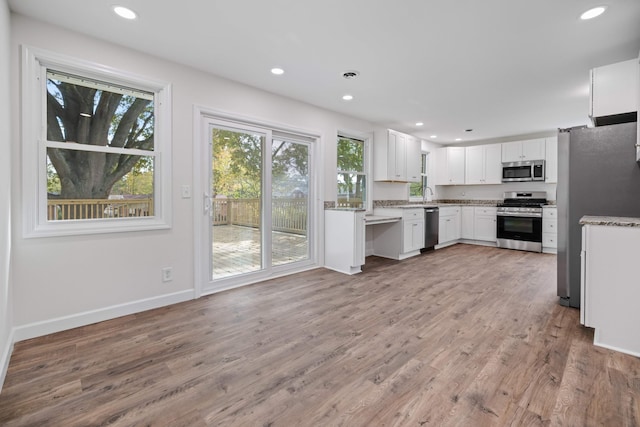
(520,215)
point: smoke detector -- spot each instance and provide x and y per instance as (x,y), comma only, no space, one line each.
(350,74)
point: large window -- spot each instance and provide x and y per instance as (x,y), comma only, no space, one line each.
(95,138)
(352,173)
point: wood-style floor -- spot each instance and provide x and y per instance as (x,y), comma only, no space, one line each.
(463,336)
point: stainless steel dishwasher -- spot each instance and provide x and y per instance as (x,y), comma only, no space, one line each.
(431,224)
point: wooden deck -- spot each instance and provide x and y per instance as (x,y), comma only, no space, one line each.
(462,336)
(236,249)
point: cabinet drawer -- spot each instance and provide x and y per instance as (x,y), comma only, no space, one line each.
(550,226)
(449,211)
(549,240)
(489,211)
(549,213)
(409,214)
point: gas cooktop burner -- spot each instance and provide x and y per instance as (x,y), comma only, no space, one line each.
(530,199)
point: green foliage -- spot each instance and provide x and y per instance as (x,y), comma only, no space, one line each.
(237,165)
(350,155)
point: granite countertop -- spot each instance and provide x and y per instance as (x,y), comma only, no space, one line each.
(345,209)
(612,221)
(402,204)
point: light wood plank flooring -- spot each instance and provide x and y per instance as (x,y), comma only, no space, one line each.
(463,336)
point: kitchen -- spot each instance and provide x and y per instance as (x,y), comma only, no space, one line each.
(57,283)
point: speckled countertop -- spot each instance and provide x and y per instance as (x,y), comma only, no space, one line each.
(439,202)
(613,221)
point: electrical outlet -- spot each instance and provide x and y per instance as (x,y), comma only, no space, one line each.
(167,274)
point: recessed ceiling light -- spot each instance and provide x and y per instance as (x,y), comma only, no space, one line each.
(458,139)
(124,12)
(419,124)
(347,97)
(433,136)
(277,71)
(592,13)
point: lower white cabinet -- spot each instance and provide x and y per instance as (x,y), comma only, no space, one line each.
(549,229)
(402,239)
(468,213)
(344,245)
(485,224)
(609,286)
(449,229)
(479,223)
(412,235)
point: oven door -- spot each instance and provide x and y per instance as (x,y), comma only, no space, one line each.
(519,231)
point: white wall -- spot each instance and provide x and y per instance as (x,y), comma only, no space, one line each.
(493,192)
(59,278)
(6,314)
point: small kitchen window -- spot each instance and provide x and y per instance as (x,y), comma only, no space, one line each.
(417,189)
(352,174)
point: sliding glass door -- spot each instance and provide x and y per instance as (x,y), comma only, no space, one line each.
(259,203)
(289,201)
(236,189)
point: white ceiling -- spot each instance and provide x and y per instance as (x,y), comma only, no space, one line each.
(500,67)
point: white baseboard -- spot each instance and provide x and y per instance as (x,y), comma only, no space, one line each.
(5,356)
(38,329)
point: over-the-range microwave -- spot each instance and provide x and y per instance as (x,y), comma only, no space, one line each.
(530,170)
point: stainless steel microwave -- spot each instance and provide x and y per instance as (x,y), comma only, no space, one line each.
(531,170)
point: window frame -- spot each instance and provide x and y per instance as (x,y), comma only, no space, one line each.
(35,63)
(366,139)
(424,171)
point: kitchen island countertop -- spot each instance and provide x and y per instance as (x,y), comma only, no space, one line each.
(612,221)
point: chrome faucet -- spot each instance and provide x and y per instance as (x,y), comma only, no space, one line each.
(424,193)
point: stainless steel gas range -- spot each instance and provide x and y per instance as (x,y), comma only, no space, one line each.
(519,224)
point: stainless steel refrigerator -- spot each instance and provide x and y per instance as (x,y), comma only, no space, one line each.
(597,175)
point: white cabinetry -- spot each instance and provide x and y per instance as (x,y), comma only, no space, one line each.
(483,164)
(413,233)
(485,224)
(517,151)
(402,239)
(549,229)
(449,230)
(450,166)
(344,233)
(609,286)
(551,157)
(468,213)
(614,91)
(396,157)
(414,159)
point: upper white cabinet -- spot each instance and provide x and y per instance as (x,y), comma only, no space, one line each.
(483,164)
(614,91)
(396,157)
(414,159)
(518,151)
(450,165)
(551,164)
